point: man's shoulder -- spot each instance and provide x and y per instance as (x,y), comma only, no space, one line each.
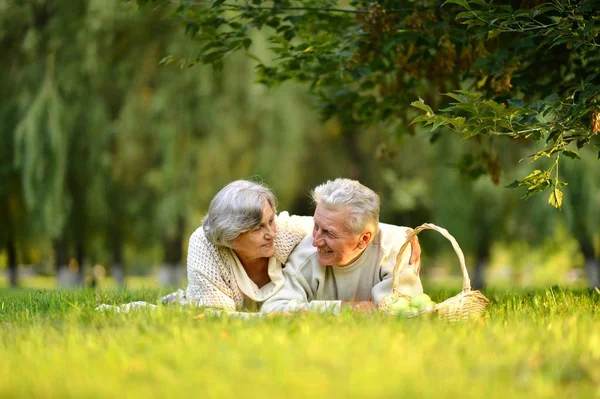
(302,256)
(391,236)
(392,228)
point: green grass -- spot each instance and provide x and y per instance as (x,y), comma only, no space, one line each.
(49,282)
(542,344)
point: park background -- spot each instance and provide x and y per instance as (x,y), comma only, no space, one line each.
(120,120)
(109,159)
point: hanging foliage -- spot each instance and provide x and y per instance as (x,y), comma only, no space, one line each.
(368,62)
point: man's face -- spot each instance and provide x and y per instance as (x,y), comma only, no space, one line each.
(336,244)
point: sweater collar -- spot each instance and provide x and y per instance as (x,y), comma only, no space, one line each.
(363,259)
(249,288)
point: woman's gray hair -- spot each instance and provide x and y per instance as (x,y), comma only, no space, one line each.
(362,202)
(236,209)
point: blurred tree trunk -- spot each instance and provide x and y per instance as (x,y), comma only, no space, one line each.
(478,280)
(64,275)
(352,146)
(582,211)
(61,254)
(592,266)
(80,257)
(117,270)
(173,256)
(481,261)
(11,248)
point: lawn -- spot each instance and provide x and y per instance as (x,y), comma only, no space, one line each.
(542,344)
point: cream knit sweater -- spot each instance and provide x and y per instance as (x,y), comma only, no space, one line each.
(217,279)
(310,286)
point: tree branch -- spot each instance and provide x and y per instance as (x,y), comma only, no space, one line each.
(249,7)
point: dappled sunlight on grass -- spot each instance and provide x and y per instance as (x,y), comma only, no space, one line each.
(541,343)
(49,282)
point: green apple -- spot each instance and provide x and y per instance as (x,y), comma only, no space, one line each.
(405,311)
(398,304)
(421,302)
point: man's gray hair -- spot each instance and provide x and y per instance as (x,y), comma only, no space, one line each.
(236,209)
(362,202)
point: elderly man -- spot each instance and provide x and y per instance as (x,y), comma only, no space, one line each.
(350,256)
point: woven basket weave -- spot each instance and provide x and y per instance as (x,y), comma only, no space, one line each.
(468,304)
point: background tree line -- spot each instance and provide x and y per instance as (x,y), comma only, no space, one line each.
(109,156)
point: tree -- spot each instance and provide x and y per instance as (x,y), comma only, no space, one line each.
(369,61)
(105,149)
(582,211)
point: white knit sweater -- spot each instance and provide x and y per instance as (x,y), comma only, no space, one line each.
(215,274)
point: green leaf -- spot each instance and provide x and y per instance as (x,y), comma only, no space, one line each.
(169,59)
(457,97)
(213,57)
(498,107)
(515,184)
(556,198)
(422,106)
(473,22)
(581,143)
(439,122)
(553,136)
(540,185)
(493,33)
(481,3)
(465,14)
(471,95)
(289,35)
(533,175)
(457,122)
(462,3)
(420,118)
(571,154)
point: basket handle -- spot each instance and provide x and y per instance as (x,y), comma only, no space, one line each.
(402,264)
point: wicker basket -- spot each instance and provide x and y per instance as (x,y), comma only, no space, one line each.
(467,304)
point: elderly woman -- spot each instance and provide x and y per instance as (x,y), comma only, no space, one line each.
(235,258)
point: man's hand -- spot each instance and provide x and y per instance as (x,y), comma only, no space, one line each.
(362,306)
(415,254)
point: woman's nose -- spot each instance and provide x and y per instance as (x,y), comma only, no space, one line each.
(270,232)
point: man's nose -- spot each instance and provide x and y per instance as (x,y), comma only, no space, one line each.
(318,240)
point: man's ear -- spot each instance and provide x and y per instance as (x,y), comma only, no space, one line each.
(365,239)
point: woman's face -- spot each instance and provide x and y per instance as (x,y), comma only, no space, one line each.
(258,242)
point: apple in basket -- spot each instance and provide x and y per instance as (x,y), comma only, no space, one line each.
(421,302)
(401,306)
